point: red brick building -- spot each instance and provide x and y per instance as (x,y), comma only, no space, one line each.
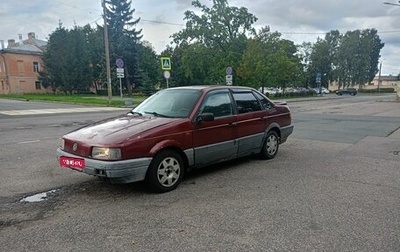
(20,63)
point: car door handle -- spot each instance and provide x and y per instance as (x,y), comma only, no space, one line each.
(232,125)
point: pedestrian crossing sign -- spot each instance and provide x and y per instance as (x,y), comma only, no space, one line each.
(165,63)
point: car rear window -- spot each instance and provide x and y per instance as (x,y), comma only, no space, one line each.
(246,102)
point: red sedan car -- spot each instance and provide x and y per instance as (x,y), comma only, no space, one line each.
(177,129)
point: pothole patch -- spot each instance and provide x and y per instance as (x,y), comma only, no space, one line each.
(38,197)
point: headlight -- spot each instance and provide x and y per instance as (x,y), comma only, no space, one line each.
(106,153)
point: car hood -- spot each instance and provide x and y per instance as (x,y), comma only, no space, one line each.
(119,129)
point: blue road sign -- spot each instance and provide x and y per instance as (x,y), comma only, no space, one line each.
(119,63)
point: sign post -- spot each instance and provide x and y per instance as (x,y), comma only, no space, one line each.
(166,76)
(120,73)
(228,77)
(318,80)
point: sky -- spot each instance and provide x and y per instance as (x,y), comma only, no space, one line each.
(297,20)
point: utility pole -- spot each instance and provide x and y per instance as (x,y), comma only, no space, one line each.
(107,51)
(379,78)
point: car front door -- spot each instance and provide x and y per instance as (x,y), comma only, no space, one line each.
(214,141)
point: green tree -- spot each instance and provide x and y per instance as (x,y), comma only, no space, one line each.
(217,26)
(67,61)
(95,37)
(350,59)
(270,61)
(124,39)
(304,52)
(372,46)
(211,42)
(320,62)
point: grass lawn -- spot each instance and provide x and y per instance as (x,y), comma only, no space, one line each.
(116,101)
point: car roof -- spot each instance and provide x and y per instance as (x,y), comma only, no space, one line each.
(212,87)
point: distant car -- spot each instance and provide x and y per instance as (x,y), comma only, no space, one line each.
(350,91)
(176,129)
(323,90)
(268,91)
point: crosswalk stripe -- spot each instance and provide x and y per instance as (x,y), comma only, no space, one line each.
(58,111)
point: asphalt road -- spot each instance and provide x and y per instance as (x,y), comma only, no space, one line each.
(334,186)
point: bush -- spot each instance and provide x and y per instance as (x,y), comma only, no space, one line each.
(376,90)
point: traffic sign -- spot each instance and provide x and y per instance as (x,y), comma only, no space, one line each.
(167,74)
(229,70)
(229,79)
(119,63)
(318,77)
(165,63)
(120,73)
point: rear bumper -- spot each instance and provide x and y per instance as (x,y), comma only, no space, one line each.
(286,131)
(121,171)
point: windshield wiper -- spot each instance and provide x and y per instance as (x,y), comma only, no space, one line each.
(134,113)
(156,114)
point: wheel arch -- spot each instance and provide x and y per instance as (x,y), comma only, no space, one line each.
(274,127)
(170,145)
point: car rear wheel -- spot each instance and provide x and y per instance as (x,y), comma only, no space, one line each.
(271,145)
(165,171)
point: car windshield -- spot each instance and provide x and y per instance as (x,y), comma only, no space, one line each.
(174,103)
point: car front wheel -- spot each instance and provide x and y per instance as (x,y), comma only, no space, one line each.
(271,145)
(165,171)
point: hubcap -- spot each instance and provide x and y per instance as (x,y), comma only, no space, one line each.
(272,144)
(169,171)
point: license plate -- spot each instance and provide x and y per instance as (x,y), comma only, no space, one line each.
(73,163)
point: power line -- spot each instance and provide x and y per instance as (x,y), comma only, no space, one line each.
(323,33)
(161,22)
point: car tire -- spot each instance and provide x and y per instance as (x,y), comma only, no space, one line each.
(165,171)
(270,146)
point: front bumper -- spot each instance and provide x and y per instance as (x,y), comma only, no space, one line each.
(120,171)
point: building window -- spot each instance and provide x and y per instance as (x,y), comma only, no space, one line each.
(20,65)
(36,67)
(37,85)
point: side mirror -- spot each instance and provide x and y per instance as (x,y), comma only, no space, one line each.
(205,117)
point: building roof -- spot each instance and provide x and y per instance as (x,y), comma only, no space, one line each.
(32,45)
(23,49)
(35,41)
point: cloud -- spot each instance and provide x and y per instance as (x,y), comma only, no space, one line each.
(297,20)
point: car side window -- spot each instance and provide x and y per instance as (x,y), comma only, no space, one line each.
(246,102)
(267,104)
(217,103)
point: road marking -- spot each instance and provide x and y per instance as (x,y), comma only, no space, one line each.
(31,141)
(59,111)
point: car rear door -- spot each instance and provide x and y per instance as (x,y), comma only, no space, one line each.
(214,141)
(251,122)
